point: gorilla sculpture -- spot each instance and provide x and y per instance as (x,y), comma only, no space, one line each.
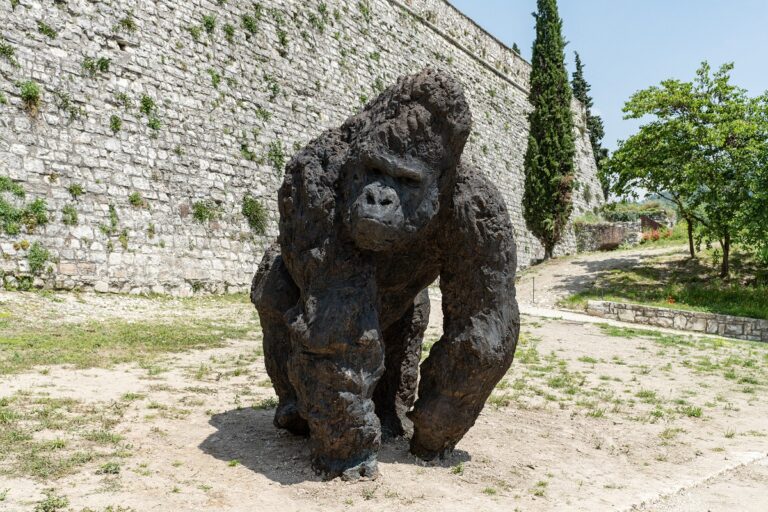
(370,214)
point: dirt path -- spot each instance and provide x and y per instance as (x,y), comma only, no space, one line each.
(588,418)
(561,277)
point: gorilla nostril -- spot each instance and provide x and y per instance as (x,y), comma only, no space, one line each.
(369,198)
(385,202)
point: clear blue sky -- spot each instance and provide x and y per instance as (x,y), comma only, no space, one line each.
(627,45)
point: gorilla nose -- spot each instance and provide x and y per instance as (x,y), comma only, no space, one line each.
(377,195)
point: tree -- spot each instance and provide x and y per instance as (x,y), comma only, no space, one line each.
(549,158)
(515,48)
(594,123)
(706,148)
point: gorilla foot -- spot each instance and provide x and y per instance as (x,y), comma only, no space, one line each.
(425,452)
(287,417)
(330,469)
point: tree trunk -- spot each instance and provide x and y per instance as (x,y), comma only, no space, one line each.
(725,268)
(691,247)
(548,252)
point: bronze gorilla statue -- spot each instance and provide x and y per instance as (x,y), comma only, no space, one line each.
(370,214)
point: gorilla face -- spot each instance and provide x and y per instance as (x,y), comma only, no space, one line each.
(390,198)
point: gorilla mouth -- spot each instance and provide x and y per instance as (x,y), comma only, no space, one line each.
(374,235)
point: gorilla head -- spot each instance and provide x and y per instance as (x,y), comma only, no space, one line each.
(404,151)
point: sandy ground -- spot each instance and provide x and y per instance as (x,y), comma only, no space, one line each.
(585,420)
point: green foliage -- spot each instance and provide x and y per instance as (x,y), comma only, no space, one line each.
(215,77)
(8,53)
(126,24)
(195,32)
(263,114)
(94,66)
(30,216)
(124,100)
(276,156)
(3,99)
(515,48)
(209,23)
(549,158)
(365,9)
(114,222)
(594,124)
(8,185)
(14,4)
(255,213)
(52,503)
(705,148)
(272,86)
(229,33)
(204,211)
(154,123)
(75,190)
(37,257)
(46,30)
(69,215)
(64,102)
(136,200)
(250,24)
(30,95)
(626,211)
(282,39)
(147,106)
(115,123)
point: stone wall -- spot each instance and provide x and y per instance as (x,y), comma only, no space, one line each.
(165,120)
(606,236)
(709,323)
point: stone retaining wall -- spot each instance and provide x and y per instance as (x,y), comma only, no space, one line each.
(157,118)
(722,325)
(606,236)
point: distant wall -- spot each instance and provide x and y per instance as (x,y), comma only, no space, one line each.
(606,236)
(230,108)
(709,323)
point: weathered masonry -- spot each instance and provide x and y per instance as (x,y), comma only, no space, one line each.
(142,143)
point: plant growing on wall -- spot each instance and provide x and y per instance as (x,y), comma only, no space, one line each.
(69,215)
(276,156)
(204,211)
(75,190)
(549,158)
(37,257)
(30,96)
(46,30)
(8,53)
(255,213)
(115,123)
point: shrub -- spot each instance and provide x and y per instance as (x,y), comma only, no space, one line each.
(209,23)
(203,211)
(255,213)
(147,105)
(115,123)
(229,33)
(46,30)
(126,24)
(630,212)
(8,53)
(215,77)
(8,185)
(250,24)
(136,200)
(276,156)
(75,190)
(69,215)
(154,123)
(37,257)
(30,95)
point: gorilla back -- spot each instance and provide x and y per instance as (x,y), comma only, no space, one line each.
(371,213)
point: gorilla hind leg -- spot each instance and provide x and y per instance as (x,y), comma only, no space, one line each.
(273,292)
(396,391)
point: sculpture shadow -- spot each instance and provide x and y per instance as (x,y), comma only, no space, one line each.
(248,436)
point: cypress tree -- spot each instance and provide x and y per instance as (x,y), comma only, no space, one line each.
(515,48)
(594,123)
(549,159)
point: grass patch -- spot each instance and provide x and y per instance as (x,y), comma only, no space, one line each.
(100,344)
(685,284)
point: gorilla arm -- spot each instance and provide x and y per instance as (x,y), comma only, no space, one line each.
(481,319)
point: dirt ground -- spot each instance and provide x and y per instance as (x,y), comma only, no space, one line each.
(546,284)
(589,418)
